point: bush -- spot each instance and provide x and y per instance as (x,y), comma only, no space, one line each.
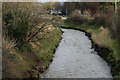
(57,21)
(17,25)
(114,24)
(77,18)
(100,20)
(26,47)
(90,22)
(17,29)
(19,22)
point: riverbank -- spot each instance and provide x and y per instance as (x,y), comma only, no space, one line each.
(30,64)
(106,46)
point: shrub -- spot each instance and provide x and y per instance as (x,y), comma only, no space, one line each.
(17,25)
(100,20)
(114,23)
(7,45)
(77,18)
(90,22)
(19,22)
(17,29)
(57,21)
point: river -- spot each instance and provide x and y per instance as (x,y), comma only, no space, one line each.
(74,58)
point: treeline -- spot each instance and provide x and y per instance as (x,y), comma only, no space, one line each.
(94,7)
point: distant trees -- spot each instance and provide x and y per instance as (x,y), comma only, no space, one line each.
(48,6)
(57,6)
(68,7)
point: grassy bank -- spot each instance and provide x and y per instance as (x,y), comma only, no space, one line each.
(102,38)
(33,62)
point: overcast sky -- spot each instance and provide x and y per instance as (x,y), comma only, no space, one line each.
(77,0)
(52,0)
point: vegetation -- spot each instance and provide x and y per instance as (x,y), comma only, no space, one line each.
(31,34)
(20,24)
(29,40)
(28,64)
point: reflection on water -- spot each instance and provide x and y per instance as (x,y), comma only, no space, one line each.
(74,58)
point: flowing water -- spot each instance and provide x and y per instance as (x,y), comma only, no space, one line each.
(74,58)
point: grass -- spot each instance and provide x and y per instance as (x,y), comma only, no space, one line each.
(104,38)
(44,48)
(30,63)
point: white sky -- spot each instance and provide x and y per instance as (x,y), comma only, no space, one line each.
(77,0)
(52,0)
(59,0)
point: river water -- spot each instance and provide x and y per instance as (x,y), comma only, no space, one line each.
(74,58)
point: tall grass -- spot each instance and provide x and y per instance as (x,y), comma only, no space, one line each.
(104,38)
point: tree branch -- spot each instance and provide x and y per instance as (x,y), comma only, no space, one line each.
(36,33)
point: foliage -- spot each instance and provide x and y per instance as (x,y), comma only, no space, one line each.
(77,18)
(29,39)
(57,6)
(20,21)
(100,20)
(115,28)
(18,65)
(71,6)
